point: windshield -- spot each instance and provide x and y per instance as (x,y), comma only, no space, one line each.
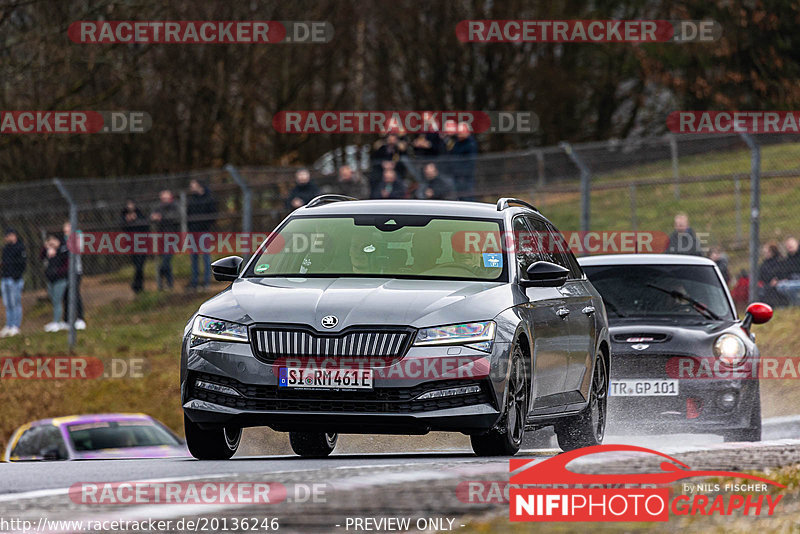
(399,246)
(653,291)
(118,435)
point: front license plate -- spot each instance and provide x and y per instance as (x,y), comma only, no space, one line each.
(298,377)
(644,388)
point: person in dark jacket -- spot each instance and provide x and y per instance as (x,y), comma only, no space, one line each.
(80,321)
(386,154)
(55,260)
(462,162)
(429,145)
(12,266)
(683,240)
(789,283)
(134,222)
(769,273)
(390,187)
(201,214)
(350,183)
(167,218)
(718,256)
(436,187)
(303,191)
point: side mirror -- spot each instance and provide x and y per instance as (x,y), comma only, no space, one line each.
(544,274)
(226,269)
(757,313)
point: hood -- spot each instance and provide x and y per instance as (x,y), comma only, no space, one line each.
(358,301)
(668,336)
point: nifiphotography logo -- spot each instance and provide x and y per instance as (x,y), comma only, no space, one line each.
(626,497)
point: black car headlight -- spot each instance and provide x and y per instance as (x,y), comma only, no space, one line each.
(475,335)
(730,349)
(206,328)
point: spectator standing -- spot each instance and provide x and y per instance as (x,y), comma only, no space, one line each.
(462,164)
(302,192)
(386,154)
(769,273)
(167,219)
(134,222)
(350,183)
(683,240)
(429,145)
(14,260)
(390,186)
(718,256)
(201,214)
(80,321)
(436,187)
(789,284)
(55,259)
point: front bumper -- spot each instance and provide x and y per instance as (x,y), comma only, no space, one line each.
(390,407)
(703,405)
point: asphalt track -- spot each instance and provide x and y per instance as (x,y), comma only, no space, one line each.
(418,486)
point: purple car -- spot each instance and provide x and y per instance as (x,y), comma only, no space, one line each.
(94,437)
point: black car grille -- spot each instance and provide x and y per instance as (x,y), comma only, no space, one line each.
(270,343)
(643,364)
(378,400)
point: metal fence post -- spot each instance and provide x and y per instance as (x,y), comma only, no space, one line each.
(737,189)
(247,201)
(586,176)
(755,206)
(72,290)
(182,206)
(540,168)
(634,218)
(673,149)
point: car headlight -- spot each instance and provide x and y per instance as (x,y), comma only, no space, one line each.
(476,335)
(730,349)
(208,328)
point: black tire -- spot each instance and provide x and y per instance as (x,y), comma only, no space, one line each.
(313,444)
(588,427)
(505,438)
(212,444)
(752,432)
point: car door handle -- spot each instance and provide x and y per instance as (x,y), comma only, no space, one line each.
(588,310)
(562,312)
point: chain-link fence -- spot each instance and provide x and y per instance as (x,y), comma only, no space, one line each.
(637,185)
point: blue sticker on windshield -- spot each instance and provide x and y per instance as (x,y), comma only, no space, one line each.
(492,259)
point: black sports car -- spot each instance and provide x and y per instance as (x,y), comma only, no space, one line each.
(681,360)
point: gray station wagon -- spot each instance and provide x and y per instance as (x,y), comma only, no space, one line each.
(399,317)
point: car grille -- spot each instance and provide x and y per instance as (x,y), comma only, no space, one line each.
(271,343)
(642,364)
(378,400)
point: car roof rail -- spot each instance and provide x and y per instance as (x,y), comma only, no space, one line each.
(506,202)
(326,199)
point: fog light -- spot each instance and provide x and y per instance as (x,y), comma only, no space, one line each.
(216,388)
(450,392)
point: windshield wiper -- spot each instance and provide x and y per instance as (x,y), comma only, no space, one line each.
(698,306)
(611,306)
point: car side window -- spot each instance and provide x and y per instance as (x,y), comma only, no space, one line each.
(524,252)
(563,255)
(540,241)
(28,443)
(52,440)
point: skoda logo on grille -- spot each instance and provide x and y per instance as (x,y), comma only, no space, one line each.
(329,321)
